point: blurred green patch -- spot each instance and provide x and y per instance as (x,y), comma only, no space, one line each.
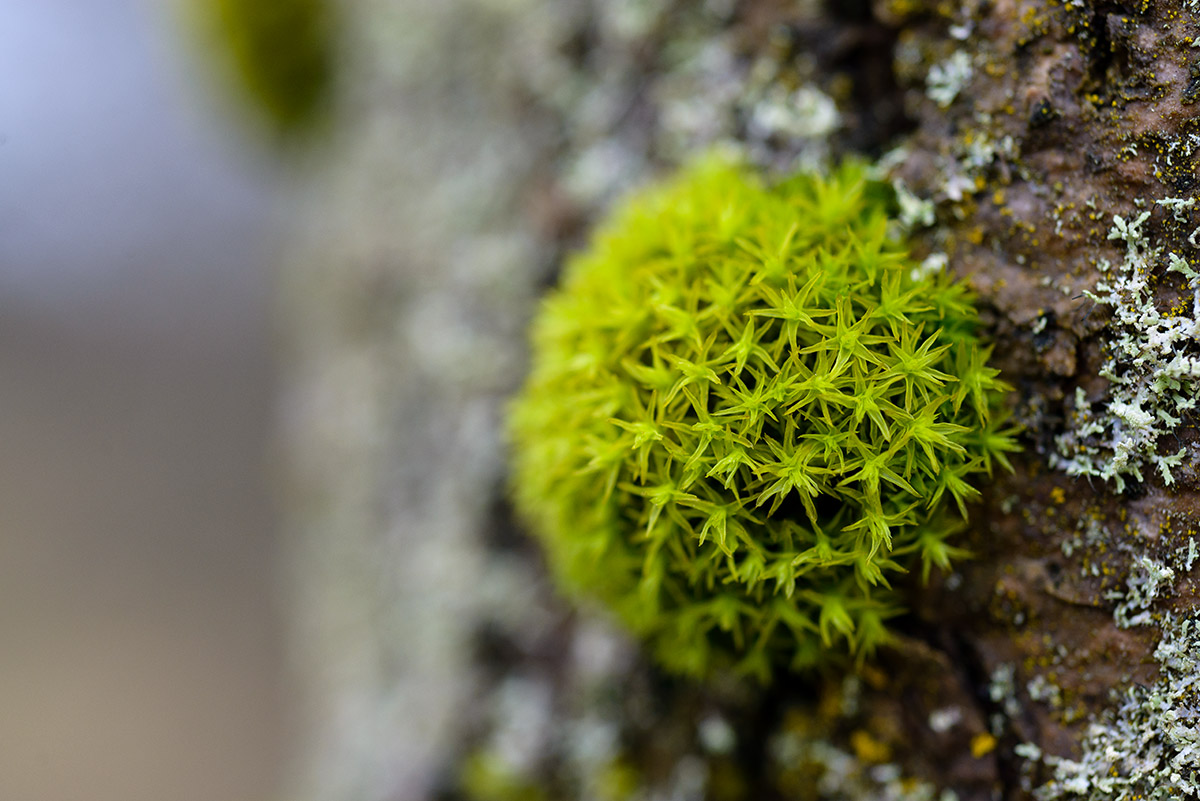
(279,53)
(486,777)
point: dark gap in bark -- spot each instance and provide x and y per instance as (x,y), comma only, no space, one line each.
(1102,51)
(850,10)
(863,49)
(504,532)
(958,646)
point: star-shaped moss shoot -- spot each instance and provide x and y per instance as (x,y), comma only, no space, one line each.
(746,413)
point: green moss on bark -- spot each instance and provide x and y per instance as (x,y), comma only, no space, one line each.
(748,411)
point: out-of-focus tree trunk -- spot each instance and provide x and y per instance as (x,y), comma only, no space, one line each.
(403,306)
(476,140)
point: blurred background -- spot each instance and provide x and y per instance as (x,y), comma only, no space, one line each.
(265,267)
(142,653)
(263,282)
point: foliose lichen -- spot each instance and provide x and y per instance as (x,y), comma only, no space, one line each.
(1148,746)
(947,79)
(746,413)
(1152,365)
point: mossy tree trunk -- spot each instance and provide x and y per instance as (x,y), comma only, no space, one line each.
(478,140)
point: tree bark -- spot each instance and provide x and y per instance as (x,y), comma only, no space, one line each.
(477,141)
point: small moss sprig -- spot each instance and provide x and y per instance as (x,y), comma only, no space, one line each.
(746,411)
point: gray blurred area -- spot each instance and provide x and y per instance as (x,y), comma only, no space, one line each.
(140,646)
(404,307)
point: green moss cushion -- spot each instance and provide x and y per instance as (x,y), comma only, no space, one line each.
(747,410)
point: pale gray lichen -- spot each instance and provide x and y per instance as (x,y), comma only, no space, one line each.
(944,719)
(1178,206)
(1149,747)
(966,169)
(1094,535)
(806,113)
(716,736)
(1042,689)
(713,92)
(931,265)
(631,19)
(1002,690)
(523,718)
(915,212)
(1142,588)
(947,79)
(1152,363)
(703,93)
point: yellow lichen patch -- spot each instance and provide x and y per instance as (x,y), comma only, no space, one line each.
(982,744)
(868,749)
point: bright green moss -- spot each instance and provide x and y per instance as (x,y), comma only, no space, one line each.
(746,413)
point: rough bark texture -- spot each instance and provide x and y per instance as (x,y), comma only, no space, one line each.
(478,140)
